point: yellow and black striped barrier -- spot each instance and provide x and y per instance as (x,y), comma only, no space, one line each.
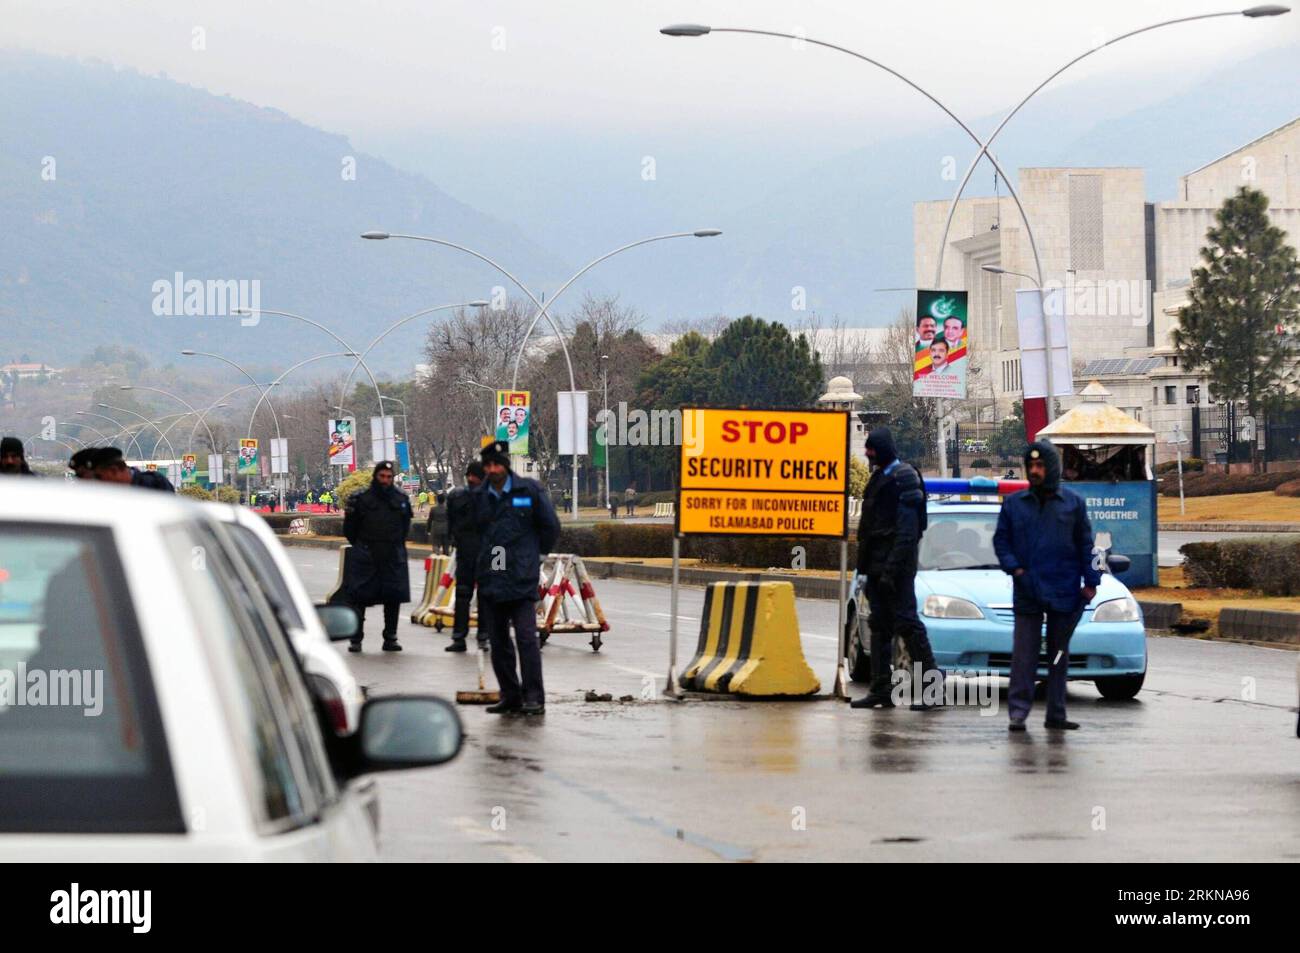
(749,643)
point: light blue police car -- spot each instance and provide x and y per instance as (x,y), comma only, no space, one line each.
(964,599)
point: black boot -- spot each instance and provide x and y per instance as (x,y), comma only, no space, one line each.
(390,642)
(457,644)
(873,699)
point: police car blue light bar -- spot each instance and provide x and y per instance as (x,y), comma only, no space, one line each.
(937,486)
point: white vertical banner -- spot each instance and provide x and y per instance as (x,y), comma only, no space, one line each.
(174,473)
(1033,346)
(216,468)
(383,439)
(572,422)
(279,454)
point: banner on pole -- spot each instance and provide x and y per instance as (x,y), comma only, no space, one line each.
(383,440)
(279,455)
(248,458)
(514,412)
(1033,344)
(342,437)
(763,473)
(403,457)
(942,345)
(572,419)
(189,467)
(216,468)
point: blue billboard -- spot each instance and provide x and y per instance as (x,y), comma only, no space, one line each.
(1128,512)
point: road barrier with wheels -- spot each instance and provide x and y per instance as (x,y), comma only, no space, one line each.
(569,602)
(749,643)
(436,569)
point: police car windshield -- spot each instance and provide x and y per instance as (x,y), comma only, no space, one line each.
(959,541)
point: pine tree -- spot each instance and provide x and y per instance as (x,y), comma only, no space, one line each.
(1245,292)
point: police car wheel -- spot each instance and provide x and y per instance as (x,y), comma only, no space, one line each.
(1120,687)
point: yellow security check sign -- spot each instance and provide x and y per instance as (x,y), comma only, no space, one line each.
(763,472)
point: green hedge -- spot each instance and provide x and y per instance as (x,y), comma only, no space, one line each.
(1222,484)
(1263,565)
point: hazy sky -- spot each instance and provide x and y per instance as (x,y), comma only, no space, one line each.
(352,65)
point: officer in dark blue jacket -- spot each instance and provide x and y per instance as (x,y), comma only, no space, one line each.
(1044,541)
(893,519)
(517,527)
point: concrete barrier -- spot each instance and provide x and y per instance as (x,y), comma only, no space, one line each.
(1264,625)
(749,643)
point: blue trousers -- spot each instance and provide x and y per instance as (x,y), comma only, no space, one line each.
(1027,637)
(496,618)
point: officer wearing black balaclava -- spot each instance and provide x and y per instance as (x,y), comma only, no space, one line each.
(893,519)
(376,522)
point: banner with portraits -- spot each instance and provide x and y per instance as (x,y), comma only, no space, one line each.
(248,459)
(343,440)
(514,410)
(941,345)
(189,467)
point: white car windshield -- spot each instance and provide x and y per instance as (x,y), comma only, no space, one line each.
(959,541)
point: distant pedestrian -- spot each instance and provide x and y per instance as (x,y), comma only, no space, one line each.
(437,525)
(376,523)
(629,498)
(517,527)
(1044,542)
(13,459)
(462,527)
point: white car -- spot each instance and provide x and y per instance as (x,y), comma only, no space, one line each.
(151,706)
(328,675)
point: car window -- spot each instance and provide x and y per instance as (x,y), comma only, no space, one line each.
(208,582)
(267,572)
(285,668)
(959,541)
(81,741)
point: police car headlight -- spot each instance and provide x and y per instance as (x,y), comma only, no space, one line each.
(1118,610)
(950,607)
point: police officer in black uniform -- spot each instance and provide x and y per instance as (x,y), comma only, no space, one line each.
(517,526)
(893,519)
(376,522)
(462,526)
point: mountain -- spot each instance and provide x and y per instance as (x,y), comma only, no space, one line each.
(111,181)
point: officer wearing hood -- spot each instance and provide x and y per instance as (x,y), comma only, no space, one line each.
(1044,542)
(893,519)
(376,522)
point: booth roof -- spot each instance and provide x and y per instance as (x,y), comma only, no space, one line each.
(1096,422)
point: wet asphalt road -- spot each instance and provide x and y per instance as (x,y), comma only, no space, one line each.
(1188,771)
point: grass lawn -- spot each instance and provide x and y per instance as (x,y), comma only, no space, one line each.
(1263,507)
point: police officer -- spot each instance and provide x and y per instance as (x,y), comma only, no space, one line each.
(108,465)
(1044,542)
(376,522)
(13,459)
(517,525)
(893,519)
(463,529)
(438,523)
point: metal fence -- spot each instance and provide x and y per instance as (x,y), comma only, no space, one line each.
(1221,434)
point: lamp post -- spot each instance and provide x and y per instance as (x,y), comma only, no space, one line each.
(190,352)
(491,399)
(604,387)
(543,310)
(121,429)
(148,423)
(316,324)
(181,400)
(389,330)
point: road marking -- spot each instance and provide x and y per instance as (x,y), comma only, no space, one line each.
(515,853)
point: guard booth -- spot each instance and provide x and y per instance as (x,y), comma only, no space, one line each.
(1106,458)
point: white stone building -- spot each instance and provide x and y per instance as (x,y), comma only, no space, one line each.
(1125,265)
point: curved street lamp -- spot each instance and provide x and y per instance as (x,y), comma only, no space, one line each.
(121,429)
(181,400)
(148,423)
(190,352)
